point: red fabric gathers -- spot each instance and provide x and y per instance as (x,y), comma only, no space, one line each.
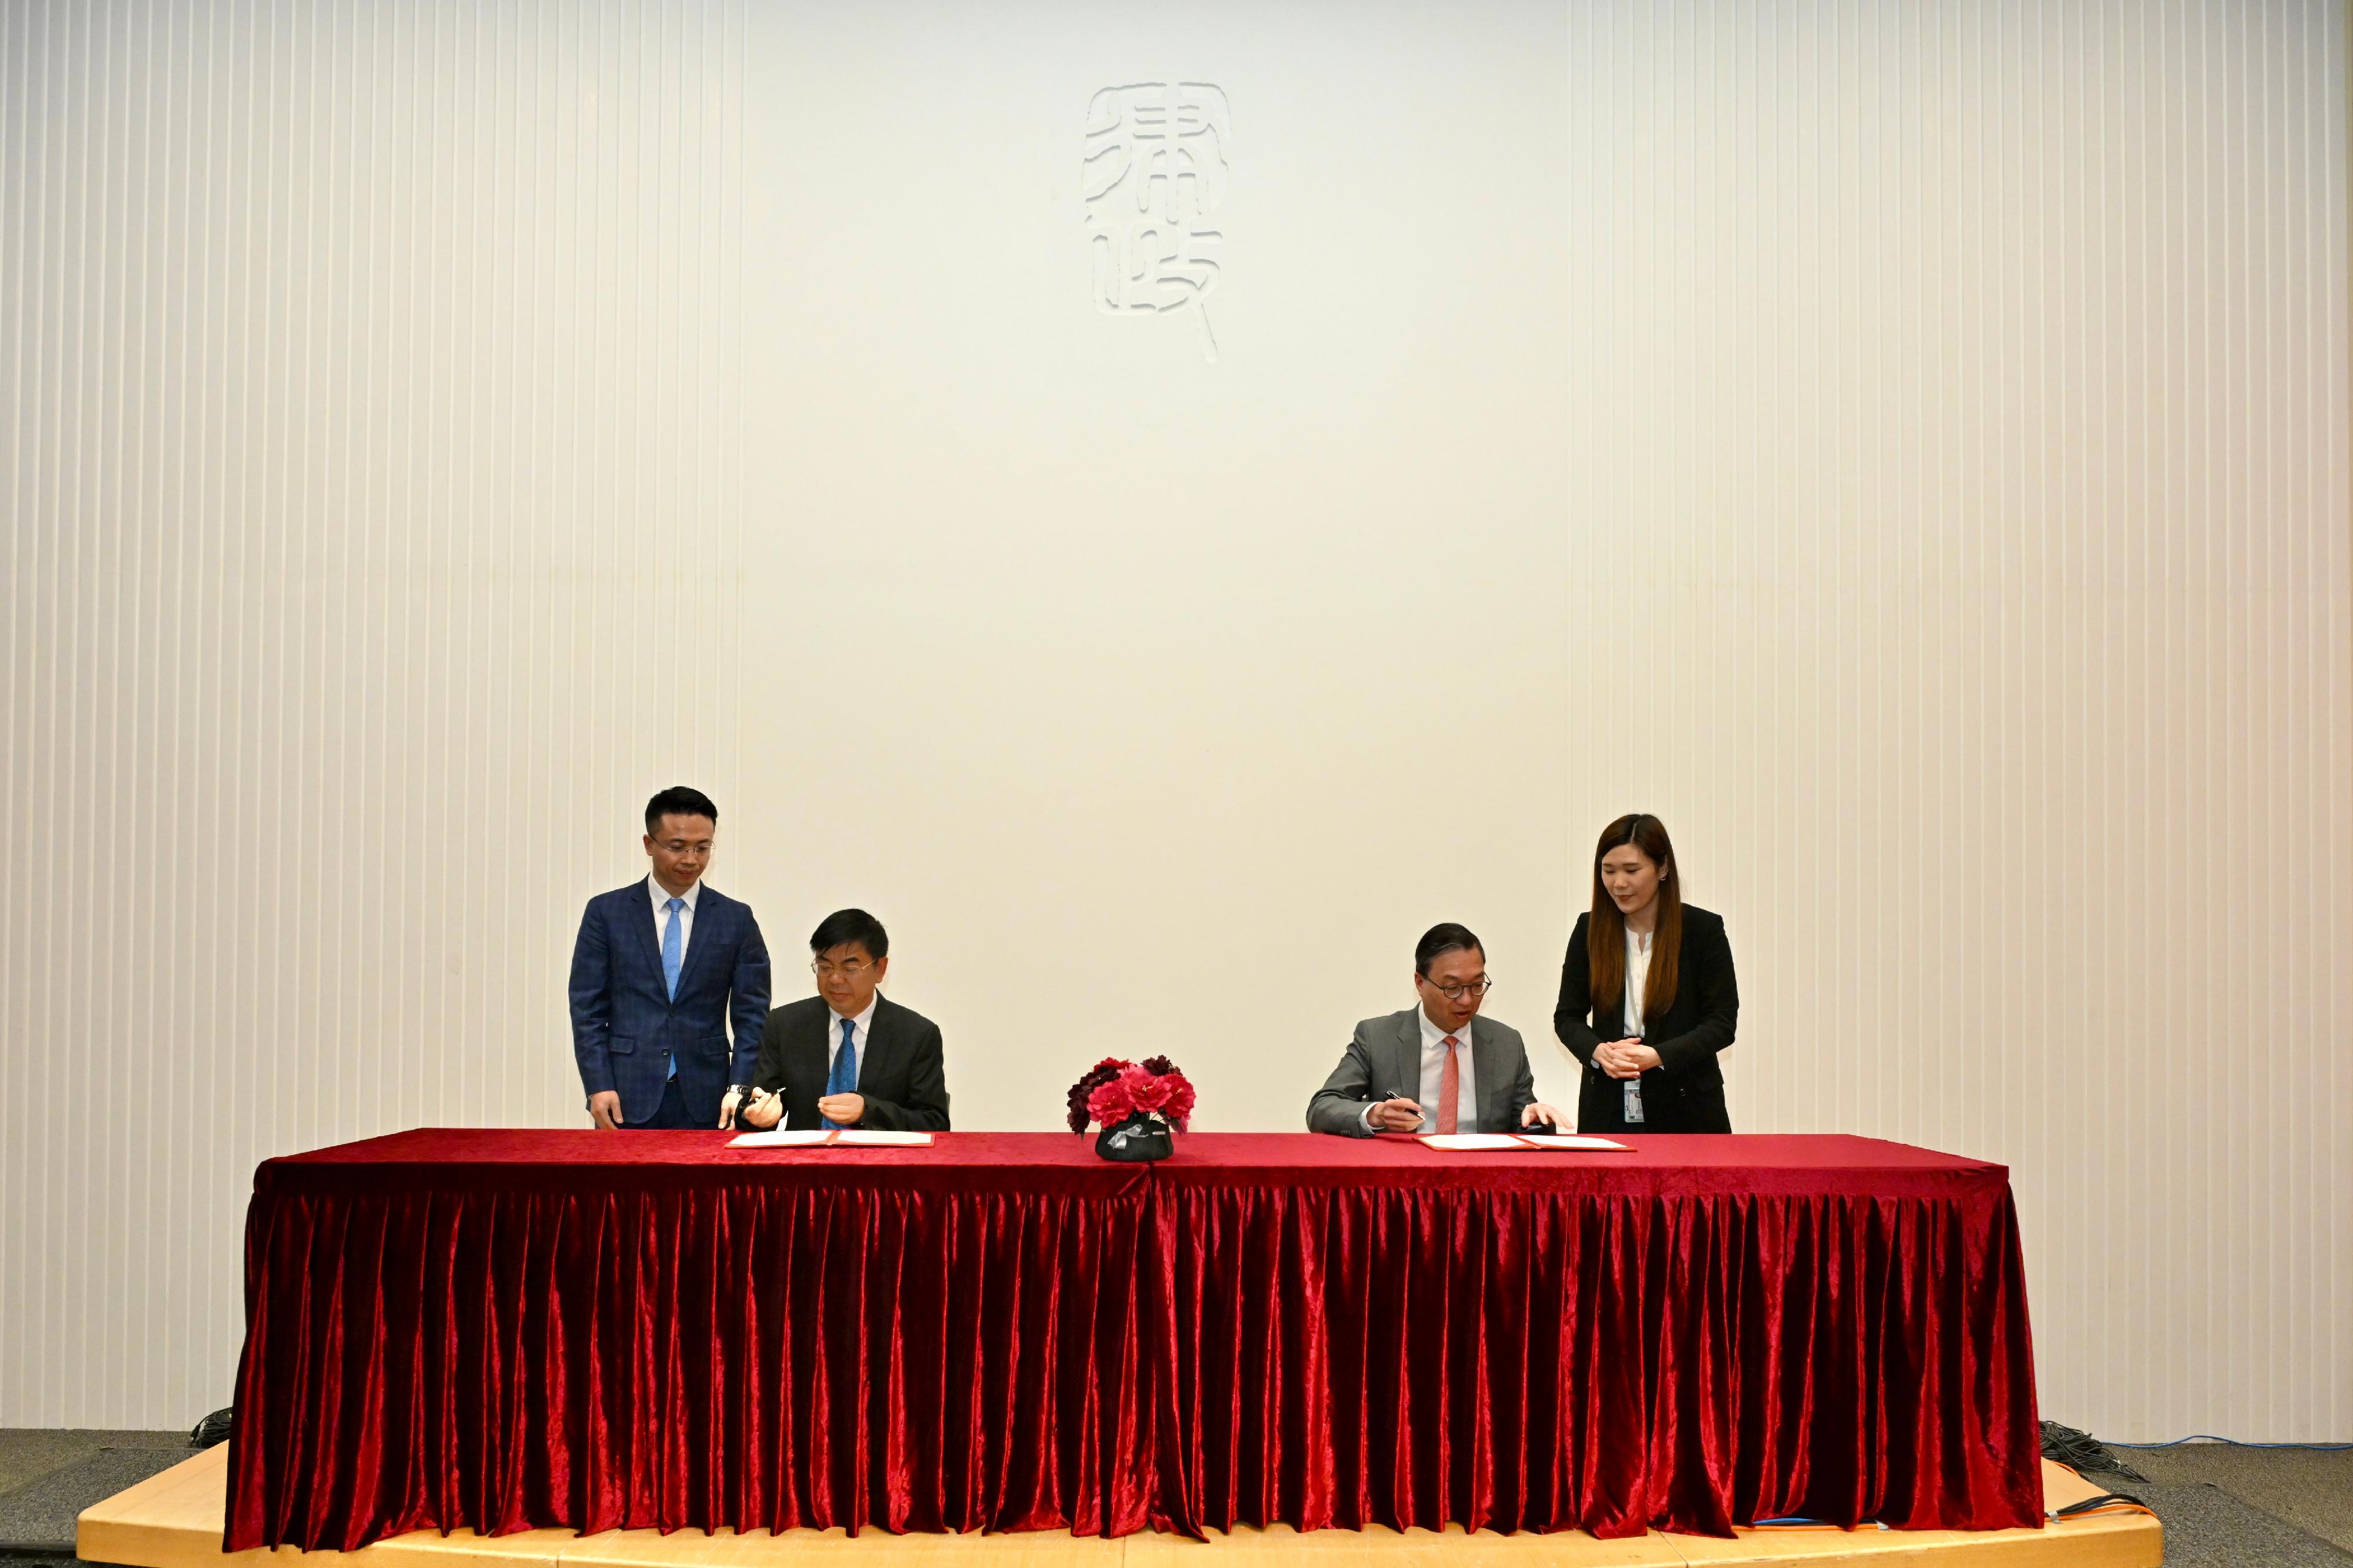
(511,1330)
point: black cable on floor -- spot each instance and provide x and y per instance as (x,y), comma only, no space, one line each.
(2082,1452)
(2105,1499)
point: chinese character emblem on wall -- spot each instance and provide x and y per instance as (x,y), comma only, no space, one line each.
(1154,171)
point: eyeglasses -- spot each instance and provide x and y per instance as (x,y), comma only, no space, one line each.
(1474,989)
(849,970)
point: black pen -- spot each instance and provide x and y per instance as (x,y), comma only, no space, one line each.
(1407,1098)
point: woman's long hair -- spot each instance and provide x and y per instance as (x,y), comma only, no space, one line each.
(1605,936)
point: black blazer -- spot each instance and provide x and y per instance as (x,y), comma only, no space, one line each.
(1685,1092)
(900,1072)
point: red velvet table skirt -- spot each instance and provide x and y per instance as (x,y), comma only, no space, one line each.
(509,1330)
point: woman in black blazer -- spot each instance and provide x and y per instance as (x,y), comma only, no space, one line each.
(1649,1066)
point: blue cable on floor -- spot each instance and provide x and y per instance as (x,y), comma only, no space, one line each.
(2232,1442)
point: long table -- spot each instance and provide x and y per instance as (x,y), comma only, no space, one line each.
(510,1330)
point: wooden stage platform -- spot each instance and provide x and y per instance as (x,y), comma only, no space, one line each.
(174,1521)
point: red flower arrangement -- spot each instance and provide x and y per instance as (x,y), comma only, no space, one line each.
(1114,1091)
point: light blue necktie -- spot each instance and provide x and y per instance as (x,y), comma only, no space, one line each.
(673,948)
(843,1079)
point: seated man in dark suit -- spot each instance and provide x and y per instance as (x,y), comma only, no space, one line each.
(1436,1067)
(657,970)
(849,1057)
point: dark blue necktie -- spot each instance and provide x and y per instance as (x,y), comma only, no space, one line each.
(843,1079)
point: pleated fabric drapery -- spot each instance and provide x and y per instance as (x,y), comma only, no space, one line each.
(507,1331)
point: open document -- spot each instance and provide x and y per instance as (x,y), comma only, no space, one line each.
(829,1138)
(1467,1143)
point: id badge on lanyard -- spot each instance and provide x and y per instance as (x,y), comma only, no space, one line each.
(1633,1088)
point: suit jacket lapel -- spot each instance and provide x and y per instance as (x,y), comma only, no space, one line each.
(1407,1073)
(812,1049)
(1493,1073)
(880,1030)
(641,918)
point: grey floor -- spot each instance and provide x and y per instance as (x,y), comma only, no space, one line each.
(2263,1508)
(48,1477)
(2280,1508)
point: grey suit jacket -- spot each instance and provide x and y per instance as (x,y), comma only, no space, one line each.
(1385,1055)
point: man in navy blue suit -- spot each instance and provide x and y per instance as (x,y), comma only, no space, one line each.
(658,967)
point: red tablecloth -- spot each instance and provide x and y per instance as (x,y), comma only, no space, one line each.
(505,1329)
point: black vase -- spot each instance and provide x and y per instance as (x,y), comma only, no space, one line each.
(1140,1138)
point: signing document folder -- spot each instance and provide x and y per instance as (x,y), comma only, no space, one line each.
(1473,1142)
(829,1138)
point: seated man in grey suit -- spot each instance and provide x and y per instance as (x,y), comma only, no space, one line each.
(1411,1072)
(849,1056)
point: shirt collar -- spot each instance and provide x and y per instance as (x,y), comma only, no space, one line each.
(661,896)
(1432,1037)
(865,1021)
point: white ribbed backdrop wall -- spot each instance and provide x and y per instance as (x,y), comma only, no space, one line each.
(369,462)
(1953,485)
(1961,401)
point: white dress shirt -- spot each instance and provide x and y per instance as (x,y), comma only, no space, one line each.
(1433,1071)
(661,897)
(858,1030)
(1637,977)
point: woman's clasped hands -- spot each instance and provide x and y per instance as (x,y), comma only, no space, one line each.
(1624,1058)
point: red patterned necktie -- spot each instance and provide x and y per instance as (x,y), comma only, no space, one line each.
(1450,1084)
